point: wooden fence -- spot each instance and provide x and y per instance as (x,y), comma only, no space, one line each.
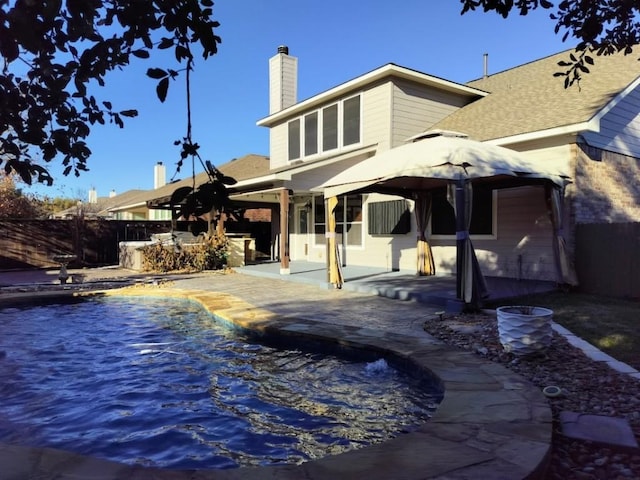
(608,259)
(32,243)
(28,244)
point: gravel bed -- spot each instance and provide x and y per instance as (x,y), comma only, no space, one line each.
(587,387)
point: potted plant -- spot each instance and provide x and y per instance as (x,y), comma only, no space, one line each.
(524,330)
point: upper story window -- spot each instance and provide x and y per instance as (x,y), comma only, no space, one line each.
(311,134)
(294,139)
(351,121)
(329,128)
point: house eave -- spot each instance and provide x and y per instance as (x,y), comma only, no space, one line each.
(573,129)
(387,71)
(129,206)
(291,170)
(615,100)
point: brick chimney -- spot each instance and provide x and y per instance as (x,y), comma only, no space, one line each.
(159,175)
(283,80)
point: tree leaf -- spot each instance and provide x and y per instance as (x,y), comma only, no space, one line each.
(129,113)
(165,43)
(180,194)
(228,180)
(162,88)
(156,73)
(140,53)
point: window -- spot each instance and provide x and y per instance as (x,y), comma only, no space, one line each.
(311,134)
(330,128)
(327,129)
(348,220)
(443,219)
(319,225)
(294,139)
(351,121)
(389,218)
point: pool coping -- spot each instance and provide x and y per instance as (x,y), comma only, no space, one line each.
(491,423)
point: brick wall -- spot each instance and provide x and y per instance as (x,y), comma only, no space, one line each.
(606,187)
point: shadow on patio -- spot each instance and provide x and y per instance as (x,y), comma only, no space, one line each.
(401,285)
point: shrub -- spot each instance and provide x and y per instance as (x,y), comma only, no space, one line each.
(210,254)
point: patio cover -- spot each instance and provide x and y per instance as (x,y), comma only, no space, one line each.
(437,159)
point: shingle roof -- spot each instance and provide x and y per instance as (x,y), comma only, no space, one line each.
(528,98)
(248,166)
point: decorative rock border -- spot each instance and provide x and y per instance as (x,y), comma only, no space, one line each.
(490,424)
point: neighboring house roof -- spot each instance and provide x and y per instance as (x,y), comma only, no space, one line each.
(248,166)
(100,207)
(120,199)
(529,98)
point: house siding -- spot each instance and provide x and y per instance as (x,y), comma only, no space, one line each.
(523,247)
(416,108)
(619,128)
(376,116)
(549,153)
(278,146)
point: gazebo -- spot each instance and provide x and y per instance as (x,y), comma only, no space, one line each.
(437,159)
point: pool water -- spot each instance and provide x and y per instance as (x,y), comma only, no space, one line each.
(162,383)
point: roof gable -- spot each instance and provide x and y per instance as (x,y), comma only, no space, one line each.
(386,72)
(529,98)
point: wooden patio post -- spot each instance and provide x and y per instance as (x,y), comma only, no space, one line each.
(334,273)
(284,232)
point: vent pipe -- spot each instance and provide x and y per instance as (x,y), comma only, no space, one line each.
(486,65)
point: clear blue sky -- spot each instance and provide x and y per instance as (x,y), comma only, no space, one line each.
(334,40)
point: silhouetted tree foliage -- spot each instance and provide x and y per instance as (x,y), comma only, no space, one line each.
(600,27)
(15,204)
(54,51)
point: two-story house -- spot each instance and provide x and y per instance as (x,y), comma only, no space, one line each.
(589,133)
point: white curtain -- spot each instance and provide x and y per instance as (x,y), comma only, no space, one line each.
(566,272)
(470,282)
(422,209)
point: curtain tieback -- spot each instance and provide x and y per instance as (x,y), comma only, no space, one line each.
(462,235)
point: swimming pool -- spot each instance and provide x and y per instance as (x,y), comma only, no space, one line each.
(161,382)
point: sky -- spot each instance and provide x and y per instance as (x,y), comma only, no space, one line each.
(334,40)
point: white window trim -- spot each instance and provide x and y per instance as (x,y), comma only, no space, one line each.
(340,125)
(315,244)
(494,225)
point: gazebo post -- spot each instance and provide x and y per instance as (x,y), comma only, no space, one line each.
(460,236)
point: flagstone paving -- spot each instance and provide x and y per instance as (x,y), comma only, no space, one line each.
(491,424)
